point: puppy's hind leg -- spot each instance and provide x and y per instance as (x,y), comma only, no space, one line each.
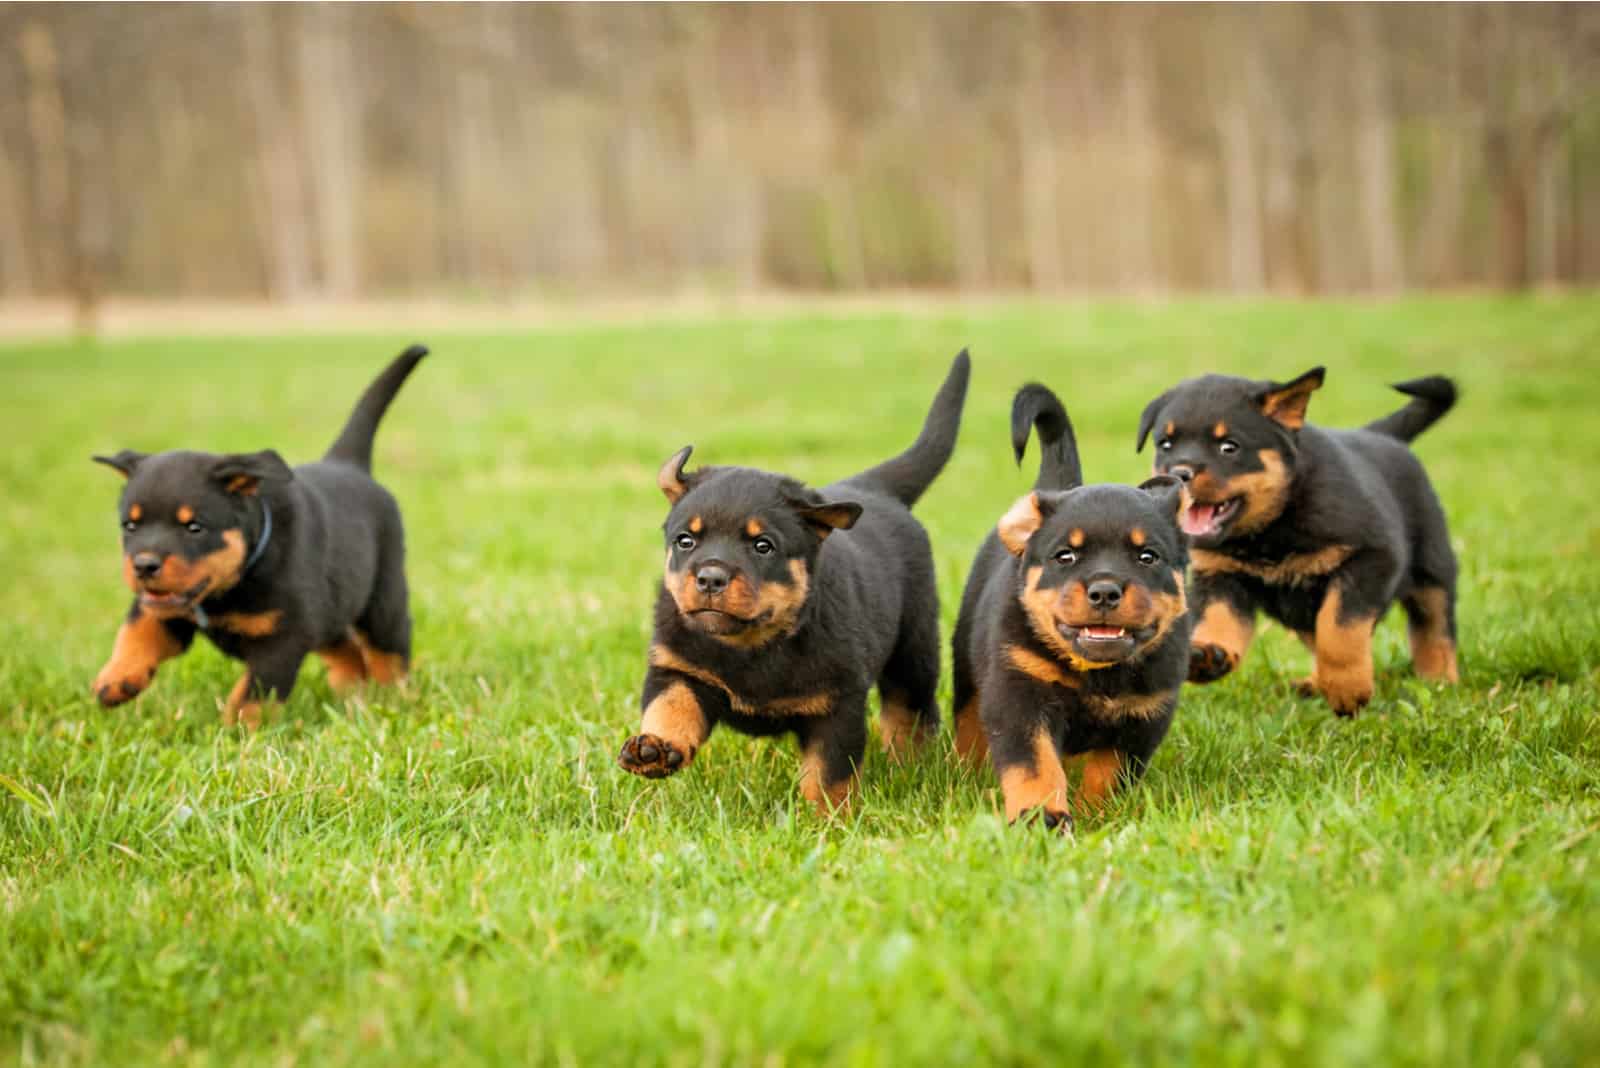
(1430,603)
(909,716)
(384,628)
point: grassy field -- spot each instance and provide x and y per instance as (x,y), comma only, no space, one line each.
(460,872)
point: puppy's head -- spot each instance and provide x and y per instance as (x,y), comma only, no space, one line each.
(1233,441)
(188,520)
(742,546)
(1102,568)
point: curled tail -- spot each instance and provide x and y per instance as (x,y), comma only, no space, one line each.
(1430,397)
(354,445)
(909,474)
(1035,407)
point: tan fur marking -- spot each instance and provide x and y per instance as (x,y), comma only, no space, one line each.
(347,665)
(1222,627)
(814,787)
(1343,671)
(1043,785)
(806,705)
(753,527)
(216,572)
(1021,522)
(777,605)
(1433,651)
(1265,493)
(900,729)
(697,525)
(972,744)
(141,644)
(1043,609)
(249,624)
(1037,667)
(136,513)
(185,513)
(1170,429)
(1287,406)
(1100,773)
(246,485)
(239,709)
(1129,706)
(386,669)
(1219,431)
(1138,537)
(676,717)
(1076,538)
(1292,570)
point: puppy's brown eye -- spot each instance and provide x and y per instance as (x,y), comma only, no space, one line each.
(1149,556)
(130,526)
(1165,444)
(1066,557)
(762,547)
(684,542)
(195,528)
(1228,447)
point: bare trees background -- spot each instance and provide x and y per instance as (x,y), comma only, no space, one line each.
(332,150)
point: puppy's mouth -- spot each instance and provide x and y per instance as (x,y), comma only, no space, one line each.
(1104,642)
(716,621)
(152,597)
(1209,520)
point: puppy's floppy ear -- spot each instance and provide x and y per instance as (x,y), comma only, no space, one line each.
(1172,492)
(243,472)
(671,478)
(1285,402)
(1023,521)
(824,519)
(1147,420)
(123,462)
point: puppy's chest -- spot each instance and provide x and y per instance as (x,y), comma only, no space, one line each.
(761,684)
(1290,567)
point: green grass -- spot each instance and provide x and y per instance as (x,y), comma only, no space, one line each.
(460,872)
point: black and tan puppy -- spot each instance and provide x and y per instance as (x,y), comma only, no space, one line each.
(1073,636)
(782,606)
(270,562)
(1321,529)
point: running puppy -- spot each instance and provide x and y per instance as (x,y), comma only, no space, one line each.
(1073,635)
(782,606)
(1321,529)
(271,563)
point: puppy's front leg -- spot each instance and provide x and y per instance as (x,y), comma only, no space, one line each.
(1024,752)
(679,713)
(832,747)
(143,642)
(270,674)
(1226,622)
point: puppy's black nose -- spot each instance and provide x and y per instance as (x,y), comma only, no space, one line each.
(711,578)
(1104,593)
(145,565)
(1183,471)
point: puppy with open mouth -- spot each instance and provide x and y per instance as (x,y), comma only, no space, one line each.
(1321,529)
(270,562)
(782,606)
(1073,636)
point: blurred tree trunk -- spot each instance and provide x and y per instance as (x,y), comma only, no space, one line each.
(282,216)
(1238,49)
(1440,232)
(16,273)
(1041,181)
(47,128)
(330,95)
(1142,147)
(1379,179)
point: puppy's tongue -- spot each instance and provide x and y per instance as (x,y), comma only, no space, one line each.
(1106,633)
(1200,519)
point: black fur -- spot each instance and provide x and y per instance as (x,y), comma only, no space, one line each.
(284,561)
(1303,514)
(742,643)
(1081,697)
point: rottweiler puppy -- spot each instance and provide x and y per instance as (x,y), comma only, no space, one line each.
(1321,529)
(1073,636)
(782,606)
(271,563)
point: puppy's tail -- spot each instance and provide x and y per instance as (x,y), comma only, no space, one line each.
(912,472)
(354,445)
(1430,397)
(1036,408)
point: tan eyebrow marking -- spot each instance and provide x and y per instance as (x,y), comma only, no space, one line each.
(1075,539)
(1171,428)
(185,513)
(1136,535)
(696,525)
(136,513)
(753,527)
(1220,430)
